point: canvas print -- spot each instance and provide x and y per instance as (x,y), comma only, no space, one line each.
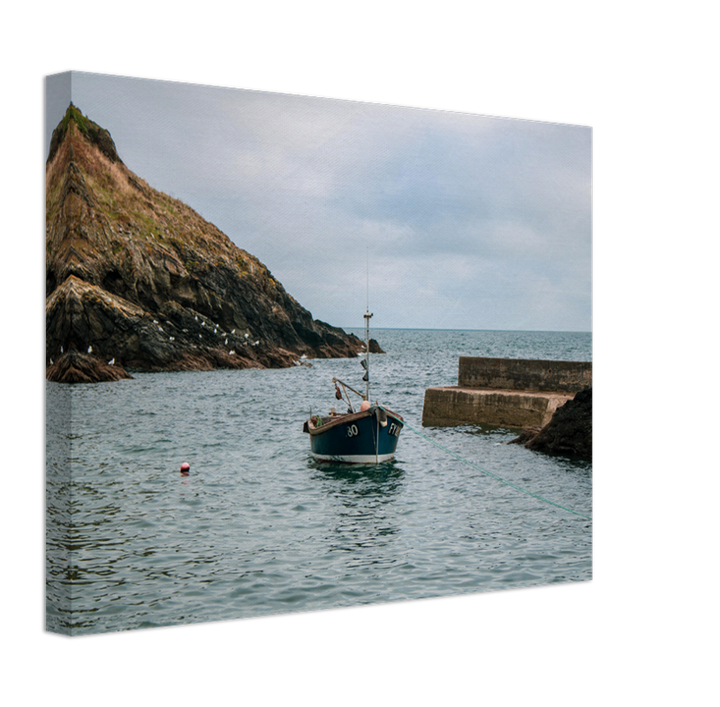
(305,353)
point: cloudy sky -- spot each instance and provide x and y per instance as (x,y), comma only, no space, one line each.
(467,222)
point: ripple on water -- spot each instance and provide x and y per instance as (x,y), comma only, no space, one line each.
(258,527)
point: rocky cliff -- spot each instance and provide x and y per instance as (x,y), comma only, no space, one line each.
(136,279)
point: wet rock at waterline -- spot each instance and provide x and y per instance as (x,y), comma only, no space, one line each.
(569,432)
(74,367)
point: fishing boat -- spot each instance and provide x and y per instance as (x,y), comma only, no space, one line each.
(368,435)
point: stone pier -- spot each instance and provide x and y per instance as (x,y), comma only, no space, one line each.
(505,392)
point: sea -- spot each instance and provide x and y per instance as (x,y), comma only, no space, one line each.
(257,527)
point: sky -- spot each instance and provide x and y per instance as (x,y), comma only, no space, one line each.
(433,219)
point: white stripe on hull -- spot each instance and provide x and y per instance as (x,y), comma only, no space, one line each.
(354,458)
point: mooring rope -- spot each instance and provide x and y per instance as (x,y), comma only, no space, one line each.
(494,476)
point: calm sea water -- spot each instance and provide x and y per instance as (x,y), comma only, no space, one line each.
(259,528)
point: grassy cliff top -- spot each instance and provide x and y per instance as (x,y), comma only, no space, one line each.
(92,131)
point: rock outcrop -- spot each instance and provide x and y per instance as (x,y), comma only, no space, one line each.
(137,277)
(74,367)
(569,432)
(374,347)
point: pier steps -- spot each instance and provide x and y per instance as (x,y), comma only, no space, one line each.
(505,392)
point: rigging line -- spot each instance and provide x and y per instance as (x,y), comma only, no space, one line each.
(495,476)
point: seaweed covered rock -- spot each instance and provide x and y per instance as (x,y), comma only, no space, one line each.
(569,432)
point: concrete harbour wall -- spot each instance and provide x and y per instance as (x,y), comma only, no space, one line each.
(524,374)
(505,392)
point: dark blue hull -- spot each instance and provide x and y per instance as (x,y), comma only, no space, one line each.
(367,437)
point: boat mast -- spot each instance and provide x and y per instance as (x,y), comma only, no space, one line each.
(367,316)
(366,377)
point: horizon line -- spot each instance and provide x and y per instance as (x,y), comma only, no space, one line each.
(529,331)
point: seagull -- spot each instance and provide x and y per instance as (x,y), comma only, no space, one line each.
(160,328)
(155,321)
(225,342)
(257,342)
(202,323)
(247,336)
(111,362)
(232,352)
(233,331)
(51,362)
(89,349)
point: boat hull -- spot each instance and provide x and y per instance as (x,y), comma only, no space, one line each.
(368,437)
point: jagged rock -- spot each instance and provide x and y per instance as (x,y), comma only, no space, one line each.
(74,367)
(374,347)
(144,279)
(569,432)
